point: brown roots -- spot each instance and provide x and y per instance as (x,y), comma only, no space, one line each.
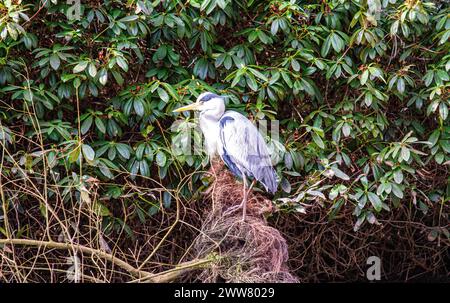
(412,246)
(409,244)
(251,250)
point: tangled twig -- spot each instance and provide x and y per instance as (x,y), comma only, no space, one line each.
(252,250)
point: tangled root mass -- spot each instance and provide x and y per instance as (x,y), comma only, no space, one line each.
(250,250)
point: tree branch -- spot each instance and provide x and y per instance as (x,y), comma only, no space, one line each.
(141,275)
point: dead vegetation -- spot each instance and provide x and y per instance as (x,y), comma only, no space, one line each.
(253,251)
(411,246)
(198,240)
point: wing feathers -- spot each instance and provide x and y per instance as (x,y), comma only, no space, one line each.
(244,151)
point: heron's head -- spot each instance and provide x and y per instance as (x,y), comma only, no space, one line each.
(206,102)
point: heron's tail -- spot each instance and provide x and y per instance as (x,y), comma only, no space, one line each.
(268,178)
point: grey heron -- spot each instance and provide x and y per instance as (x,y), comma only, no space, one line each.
(237,141)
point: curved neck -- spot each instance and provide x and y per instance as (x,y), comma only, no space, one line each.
(209,121)
(209,124)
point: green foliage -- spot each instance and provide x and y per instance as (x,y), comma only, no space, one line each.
(361,89)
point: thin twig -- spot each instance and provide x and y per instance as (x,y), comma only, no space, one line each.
(165,276)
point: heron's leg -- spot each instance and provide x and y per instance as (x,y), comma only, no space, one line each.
(251,186)
(245,192)
(244,200)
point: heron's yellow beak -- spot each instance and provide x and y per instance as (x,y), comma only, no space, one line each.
(193,106)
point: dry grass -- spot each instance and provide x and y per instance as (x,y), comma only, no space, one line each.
(252,250)
(321,250)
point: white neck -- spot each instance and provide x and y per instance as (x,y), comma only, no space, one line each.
(209,124)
